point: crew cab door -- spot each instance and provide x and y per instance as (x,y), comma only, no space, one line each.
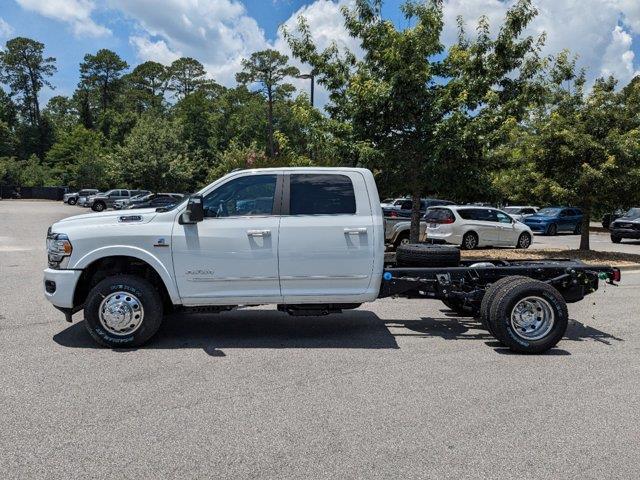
(231,257)
(326,245)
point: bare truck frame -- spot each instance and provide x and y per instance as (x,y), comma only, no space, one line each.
(522,303)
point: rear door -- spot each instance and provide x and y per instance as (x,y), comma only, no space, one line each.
(326,245)
(483,222)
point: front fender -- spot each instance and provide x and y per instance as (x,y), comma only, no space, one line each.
(136,252)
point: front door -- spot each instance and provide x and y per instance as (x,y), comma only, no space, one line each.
(506,227)
(232,255)
(326,237)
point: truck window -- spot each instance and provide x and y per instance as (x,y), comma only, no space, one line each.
(321,194)
(244,196)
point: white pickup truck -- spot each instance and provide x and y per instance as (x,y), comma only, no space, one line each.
(309,240)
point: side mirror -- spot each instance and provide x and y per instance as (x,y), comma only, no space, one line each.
(194,212)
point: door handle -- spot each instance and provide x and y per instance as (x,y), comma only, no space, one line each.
(259,233)
(355,231)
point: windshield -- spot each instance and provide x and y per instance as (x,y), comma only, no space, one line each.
(549,212)
(513,210)
(167,208)
(633,213)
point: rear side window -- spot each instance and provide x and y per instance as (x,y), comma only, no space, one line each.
(439,215)
(478,214)
(321,194)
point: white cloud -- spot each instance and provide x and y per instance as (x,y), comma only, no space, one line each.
(220,33)
(618,58)
(157,51)
(77,13)
(590,29)
(6,30)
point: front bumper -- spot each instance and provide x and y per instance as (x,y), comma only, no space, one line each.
(60,285)
(537,227)
(625,232)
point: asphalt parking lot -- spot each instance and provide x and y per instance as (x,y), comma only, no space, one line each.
(395,389)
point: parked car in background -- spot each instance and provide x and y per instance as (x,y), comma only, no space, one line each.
(105,200)
(402,208)
(553,220)
(72,198)
(155,200)
(472,227)
(519,213)
(125,202)
(607,218)
(85,200)
(627,226)
(391,202)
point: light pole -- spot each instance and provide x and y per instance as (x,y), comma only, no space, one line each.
(308,76)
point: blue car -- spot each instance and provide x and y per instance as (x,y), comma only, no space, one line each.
(553,220)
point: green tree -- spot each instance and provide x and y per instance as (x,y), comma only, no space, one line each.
(77,159)
(186,75)
(147,84)
(25,69)
(154,157)
(423,108)
(62,114)
(102,74)
(579,149)
(268,68)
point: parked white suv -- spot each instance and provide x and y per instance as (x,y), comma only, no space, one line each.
(472,227)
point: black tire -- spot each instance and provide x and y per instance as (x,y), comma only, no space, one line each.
(616,239)
(426,255)
(98,206)
(143,291)
(72,201)
(509,296)
(578,229)
(469,241)
(403,239)
(490,294)
(524,241)
(460,308)
(552,231)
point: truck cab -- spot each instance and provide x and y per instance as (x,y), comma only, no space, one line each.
(301,238)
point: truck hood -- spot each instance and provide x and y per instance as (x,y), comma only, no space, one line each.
(142,215)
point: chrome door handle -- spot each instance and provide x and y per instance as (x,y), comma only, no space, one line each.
(259,233)
(355,231)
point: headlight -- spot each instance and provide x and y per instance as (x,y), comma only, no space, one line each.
(58,249)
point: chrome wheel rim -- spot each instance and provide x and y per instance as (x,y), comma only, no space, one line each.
(404,241)
(121,313)
(532,318)
(525,241)
(470,242)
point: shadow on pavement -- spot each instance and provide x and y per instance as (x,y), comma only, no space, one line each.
(455,328)
(255,329)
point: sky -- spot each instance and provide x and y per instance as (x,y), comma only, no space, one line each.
(605,34)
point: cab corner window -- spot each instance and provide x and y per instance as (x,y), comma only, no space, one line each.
(242,197)
(321,194)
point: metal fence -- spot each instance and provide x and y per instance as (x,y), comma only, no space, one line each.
(45,193)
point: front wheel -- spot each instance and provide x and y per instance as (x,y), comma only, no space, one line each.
(524,241)
(469,241)
(98,207)
(616,239)
(528,316)
(552,230)
(123,311)
(578,229)
(72,201)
